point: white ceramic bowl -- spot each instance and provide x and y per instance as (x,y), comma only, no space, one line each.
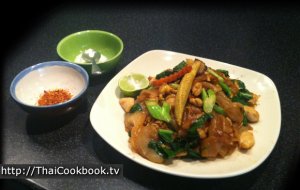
(27,87)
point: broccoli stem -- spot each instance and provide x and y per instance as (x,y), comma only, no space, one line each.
(159,112)
(209,100)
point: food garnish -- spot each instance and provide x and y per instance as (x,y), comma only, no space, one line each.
(51,97)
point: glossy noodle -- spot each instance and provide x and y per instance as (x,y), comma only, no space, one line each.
(191,111)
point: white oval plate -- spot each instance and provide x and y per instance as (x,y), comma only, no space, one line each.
(107,118)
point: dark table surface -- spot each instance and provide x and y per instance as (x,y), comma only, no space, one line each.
(263,39)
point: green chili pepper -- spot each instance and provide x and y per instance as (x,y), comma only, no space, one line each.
(159,112)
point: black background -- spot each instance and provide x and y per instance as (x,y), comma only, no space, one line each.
(261,37)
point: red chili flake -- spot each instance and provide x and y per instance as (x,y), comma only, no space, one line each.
(51,97)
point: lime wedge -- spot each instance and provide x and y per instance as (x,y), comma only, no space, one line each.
(132,84)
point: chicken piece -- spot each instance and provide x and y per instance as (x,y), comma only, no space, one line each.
(251,114)
(246,139)
(126,103)
(196,89)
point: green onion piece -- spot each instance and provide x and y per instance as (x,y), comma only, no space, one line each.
(166,112)
(241,84)
(169,153)
(166,135)
(204,94)
(193,154)
(174,85)
(215,74)
(178,145)
(245,95)
(225,88)
(245,120)
(156,147)
(158,112)
(192,132)
(161,150)
(240,100)
(219,109)
(154,109)
(136,107)
(225,72)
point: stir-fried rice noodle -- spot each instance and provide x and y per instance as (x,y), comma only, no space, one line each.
(215,118)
